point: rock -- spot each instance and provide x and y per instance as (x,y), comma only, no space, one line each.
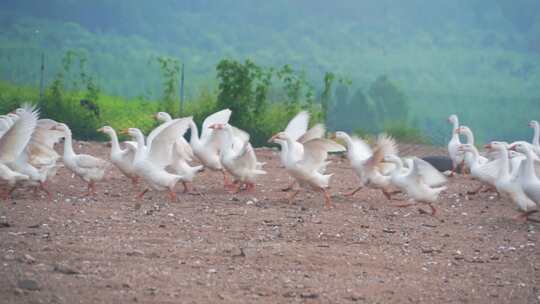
(309,295)
(212,270)
(135,253)
(65,269)
(388,230)
(29,259)
(28,285)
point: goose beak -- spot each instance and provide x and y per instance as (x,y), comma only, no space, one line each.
(153,116)
(512,148)
(332,136)
(272,139)
(123,131)
(100,130)
(487,146)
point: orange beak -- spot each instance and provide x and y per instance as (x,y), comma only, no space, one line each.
(512,148)
(100,130)
(332,136)
(487,146)
(273,138)
(123,131)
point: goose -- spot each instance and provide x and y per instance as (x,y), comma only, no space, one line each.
(151,160)
(453,144)
(14,142)
(421,181)
(536,136)
(89,168)
(297,129)
(507,179)
(486,173)
(182,155)
(121,158)
(368,163)
(467,158)
(206,147)
(237,156)
(305,161)
(528,177)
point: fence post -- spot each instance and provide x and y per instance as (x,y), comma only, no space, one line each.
(182,91)
(42,78)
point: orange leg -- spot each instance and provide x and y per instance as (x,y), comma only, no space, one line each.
(135,180)
(186,187)
(226,181)
(236,187)
(523,217)
(91,189)
(42,186)
(250,187)
(389,194)
(172,195)
(354,191)
(327,200)
(140,195)
(292,196)
(289,187)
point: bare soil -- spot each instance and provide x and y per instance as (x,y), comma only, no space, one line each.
(256,248)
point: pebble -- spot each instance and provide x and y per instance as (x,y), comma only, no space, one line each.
(28,284)
(65,269)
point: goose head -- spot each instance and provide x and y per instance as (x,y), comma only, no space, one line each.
(496,145)
(463,130)
(466,148)
(452,119)
(106,129)
(217,126)
(278,136)
(133,132)
(534,124)
(162,116)
(520,146)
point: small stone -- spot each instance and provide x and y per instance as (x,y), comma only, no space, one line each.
(388,230)
(65,269)
(309,295)
(28,285)
(212,270)
(135,253)
(250,202)
(29,259)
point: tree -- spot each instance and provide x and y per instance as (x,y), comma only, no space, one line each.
(390,101)
(170,72)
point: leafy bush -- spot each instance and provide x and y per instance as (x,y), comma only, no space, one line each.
(405,133)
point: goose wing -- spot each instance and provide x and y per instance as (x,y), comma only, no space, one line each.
(161,140)
(298,125)
(221,117)
(316,152)
(425,172)
(317,131)
(16,138)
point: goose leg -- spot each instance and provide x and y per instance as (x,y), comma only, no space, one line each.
(186,187)
(289,187)
(354,191)
(172,195)
(389,194)
(140,195)
(91,189)
(327,200)
(433,210)
(250,187)
(523,217)
(134,180)
(226,181)
(42,186)
(474,192)
(292,196)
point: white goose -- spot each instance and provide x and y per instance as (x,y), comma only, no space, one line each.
(453,144)
(485,173)
(13,143)
(237,156)
(182,155)
(535,144)
(507,179)
(206,147)
(368,163)
(421,181)
(467,158)
(305,161)
(297,129)
(528,177)
(89,168)
(38,160)
(122,158)
(151,159)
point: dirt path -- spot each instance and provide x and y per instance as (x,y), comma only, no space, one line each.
(256,248)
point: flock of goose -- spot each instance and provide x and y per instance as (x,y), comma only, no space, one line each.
(164,158)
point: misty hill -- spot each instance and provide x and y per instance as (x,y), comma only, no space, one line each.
(479,58)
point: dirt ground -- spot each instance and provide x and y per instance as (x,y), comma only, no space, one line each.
(256,248)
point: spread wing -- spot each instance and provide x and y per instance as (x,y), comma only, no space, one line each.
(247,158)
(161,140)
(385,145)
(183,149)
(14,141)
(240,138)
(490,169)
(221,117)
(41,146)
(317,131)
(360,148)
(316,152)
(427,173)
(298,125)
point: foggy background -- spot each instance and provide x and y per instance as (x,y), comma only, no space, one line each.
(479,59)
